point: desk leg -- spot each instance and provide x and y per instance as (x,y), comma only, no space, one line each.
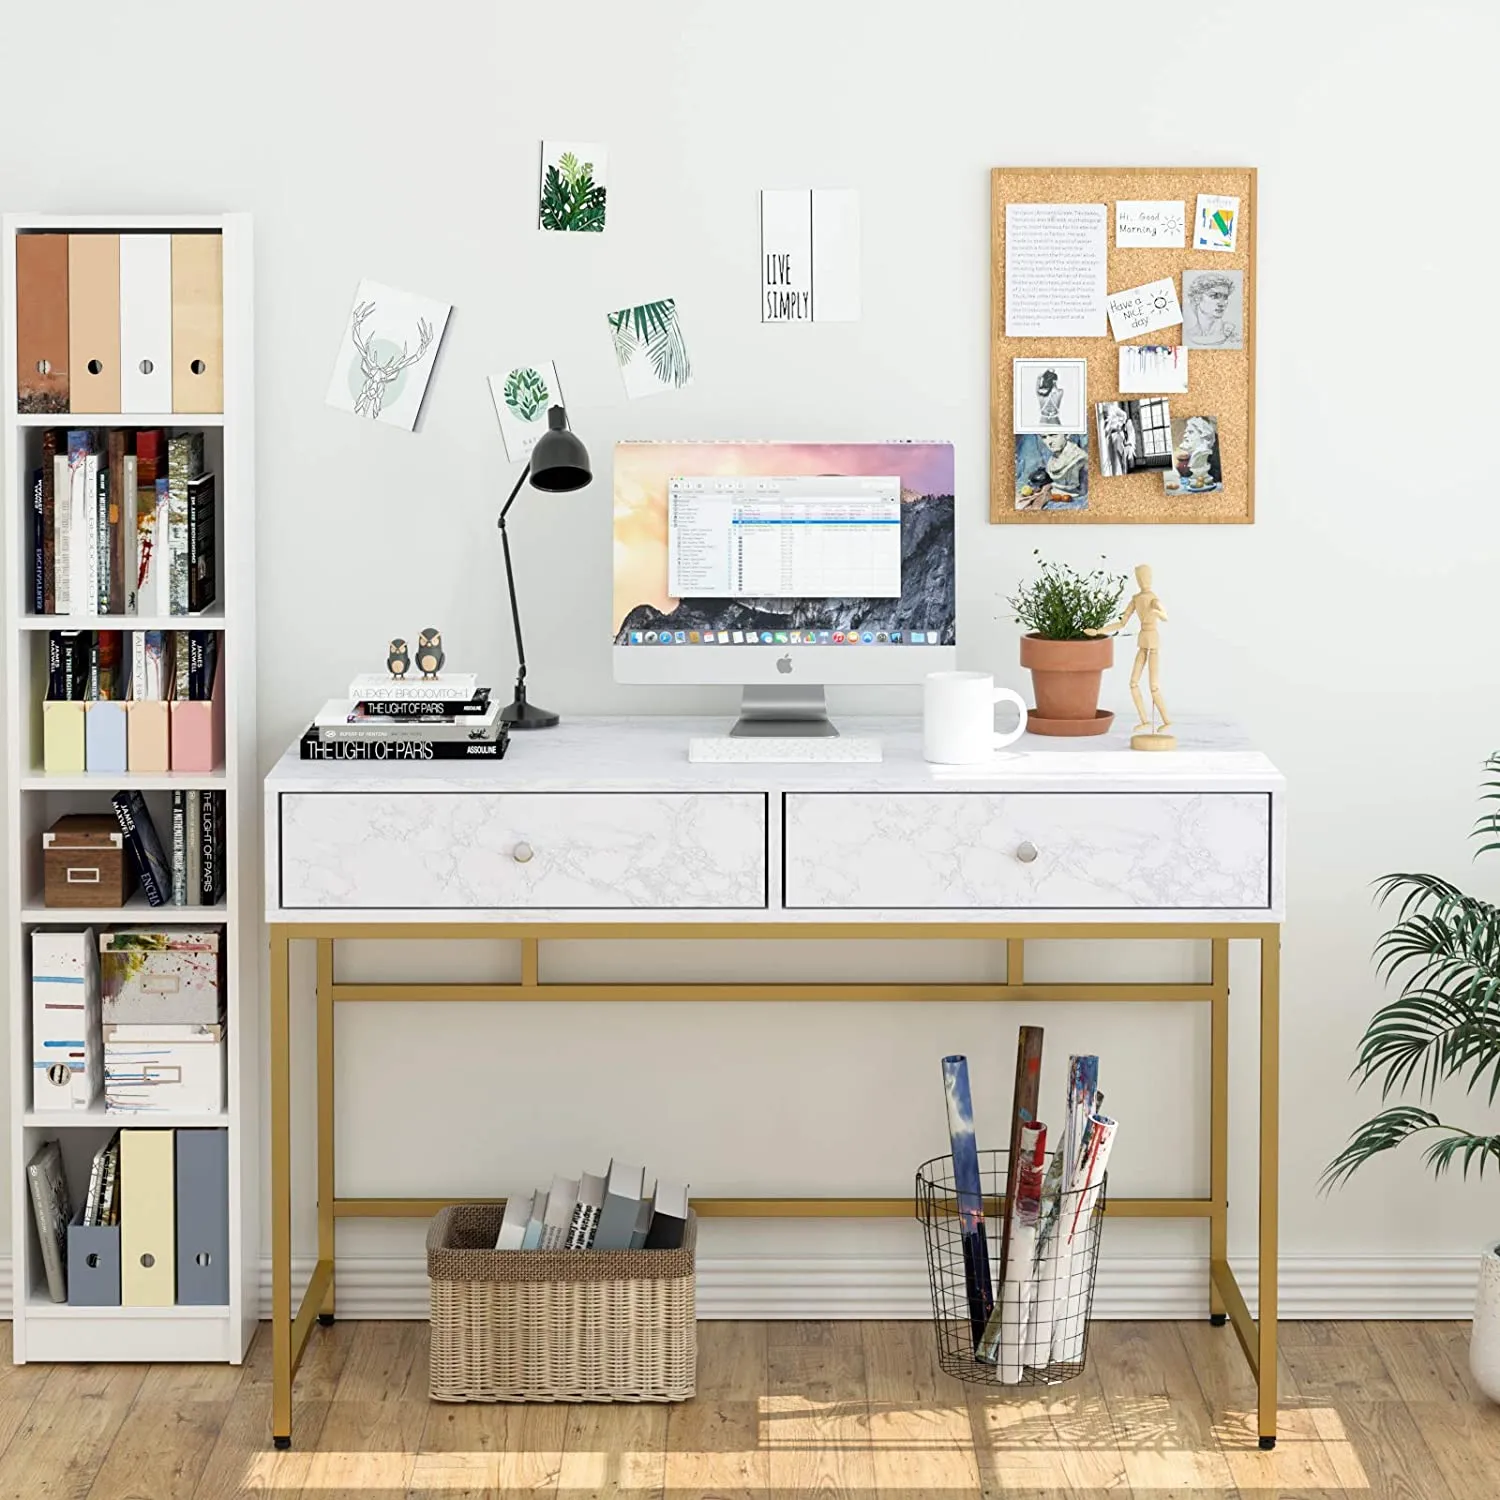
(1270,1104)
(1218,1128)
(281,1190)
(325,1120)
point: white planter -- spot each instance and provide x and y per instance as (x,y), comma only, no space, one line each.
(1484,1342)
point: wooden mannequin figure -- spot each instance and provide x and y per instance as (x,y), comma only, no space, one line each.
(1149,734)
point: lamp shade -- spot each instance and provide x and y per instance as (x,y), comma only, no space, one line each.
(559,462)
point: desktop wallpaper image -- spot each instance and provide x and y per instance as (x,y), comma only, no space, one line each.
(642,472)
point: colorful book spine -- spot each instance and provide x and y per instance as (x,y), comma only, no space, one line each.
(969,1191)
(184,464)
(49,522)
(102,563)
(112,591)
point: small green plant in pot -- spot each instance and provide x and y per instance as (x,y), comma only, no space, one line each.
(1442,1025)
(1058,607)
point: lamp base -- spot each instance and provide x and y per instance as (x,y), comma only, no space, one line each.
(524,715)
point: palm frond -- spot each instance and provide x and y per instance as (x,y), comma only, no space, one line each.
(651,317)
(623,335)
(1384,1132)
(1488,826)
(1464,1147)
(669,356)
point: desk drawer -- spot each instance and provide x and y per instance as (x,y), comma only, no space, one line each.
(967,850)
(499,850)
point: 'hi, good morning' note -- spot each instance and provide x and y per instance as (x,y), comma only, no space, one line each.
(1141,222)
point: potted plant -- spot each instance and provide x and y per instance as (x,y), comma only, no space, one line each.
(1058,608)
(1442,1025)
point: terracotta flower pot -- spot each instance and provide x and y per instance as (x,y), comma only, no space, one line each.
(1065,677)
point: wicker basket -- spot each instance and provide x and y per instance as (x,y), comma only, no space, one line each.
(557,1325)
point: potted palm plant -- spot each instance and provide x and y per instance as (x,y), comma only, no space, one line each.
(1058,608)
(1442,1025)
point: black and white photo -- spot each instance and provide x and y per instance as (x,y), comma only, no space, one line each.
(1049,395)
(1133,436)
(1213,309)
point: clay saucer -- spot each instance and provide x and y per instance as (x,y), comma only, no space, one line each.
(1069,728)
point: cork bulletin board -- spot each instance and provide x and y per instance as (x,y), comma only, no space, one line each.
(1221,382)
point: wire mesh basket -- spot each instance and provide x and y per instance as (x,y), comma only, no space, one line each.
(1031,1325)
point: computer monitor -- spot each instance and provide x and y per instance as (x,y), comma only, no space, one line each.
(783,567)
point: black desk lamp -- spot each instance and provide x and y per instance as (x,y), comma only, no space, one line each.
(559,464)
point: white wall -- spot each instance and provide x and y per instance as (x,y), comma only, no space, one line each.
(1350,628)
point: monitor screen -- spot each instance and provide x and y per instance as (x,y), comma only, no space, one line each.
(783,544)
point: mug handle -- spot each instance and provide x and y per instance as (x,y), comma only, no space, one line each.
(1009,737)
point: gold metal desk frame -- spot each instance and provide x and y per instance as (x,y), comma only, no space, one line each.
(290,1331)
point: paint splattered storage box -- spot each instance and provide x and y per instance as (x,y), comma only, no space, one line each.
(172,977)
(164,1069)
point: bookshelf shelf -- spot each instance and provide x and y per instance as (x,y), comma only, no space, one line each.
(33,800)
(120,781)
(119,419)
(209,619)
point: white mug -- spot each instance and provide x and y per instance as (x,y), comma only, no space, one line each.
(958,718)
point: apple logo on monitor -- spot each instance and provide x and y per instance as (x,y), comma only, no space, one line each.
(783,664)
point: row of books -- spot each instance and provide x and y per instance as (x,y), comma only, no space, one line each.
(135,1014)
(122,522)
(152,1229)
(127,322)
(113,666)
(387,718)
(612,1211)
(193,874)
(1033,1313)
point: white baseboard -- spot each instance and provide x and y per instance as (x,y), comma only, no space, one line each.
(846,1286)
(843,1286)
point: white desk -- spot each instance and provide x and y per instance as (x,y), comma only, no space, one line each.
(602,829)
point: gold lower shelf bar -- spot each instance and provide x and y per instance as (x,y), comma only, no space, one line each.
(775,1208)
(1239,1313)
(1090,993)
(312,1300)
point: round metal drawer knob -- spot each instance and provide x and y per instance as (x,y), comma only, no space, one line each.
(522,853)
(1027,852)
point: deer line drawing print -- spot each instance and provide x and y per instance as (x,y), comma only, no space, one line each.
(385,361)
(380,373)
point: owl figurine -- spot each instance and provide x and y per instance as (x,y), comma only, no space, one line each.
(398,660)
(430,654)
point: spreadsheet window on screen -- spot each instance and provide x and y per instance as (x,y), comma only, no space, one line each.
(798,537)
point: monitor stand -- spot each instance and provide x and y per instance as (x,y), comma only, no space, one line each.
(783,712)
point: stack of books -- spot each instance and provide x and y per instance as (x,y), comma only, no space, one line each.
(388,718)
(195,872)
(609,1212)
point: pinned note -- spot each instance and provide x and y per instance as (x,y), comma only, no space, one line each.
(1144,309)
(1143,222)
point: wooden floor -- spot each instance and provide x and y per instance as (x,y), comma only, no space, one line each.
(827,1409)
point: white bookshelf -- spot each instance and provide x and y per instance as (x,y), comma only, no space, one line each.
(44,1330)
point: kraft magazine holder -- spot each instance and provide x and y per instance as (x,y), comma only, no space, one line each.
(197,736)
(105,736)
(148,734)
(93,1264)
(63,737)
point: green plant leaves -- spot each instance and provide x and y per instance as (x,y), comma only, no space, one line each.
(526,394)
(1063,605)
(571,199)
(653,326)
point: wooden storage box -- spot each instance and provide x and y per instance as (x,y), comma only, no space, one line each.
(557,1325)
(85,862)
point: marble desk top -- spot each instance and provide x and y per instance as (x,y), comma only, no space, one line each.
(651,754)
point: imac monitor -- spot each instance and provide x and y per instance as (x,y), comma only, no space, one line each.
(782,567)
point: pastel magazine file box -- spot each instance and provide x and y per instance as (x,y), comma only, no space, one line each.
(63,737)
(104,733)
(148,1219)
(202,1218)
(198,729)
(93,1264)
(148,734)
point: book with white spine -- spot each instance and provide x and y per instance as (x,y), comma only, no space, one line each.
(452,687)
(586,1212)
(558,1218)
(513,1224)
(533,1236)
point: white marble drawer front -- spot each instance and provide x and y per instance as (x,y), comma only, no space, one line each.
(1060,851)
(514,850)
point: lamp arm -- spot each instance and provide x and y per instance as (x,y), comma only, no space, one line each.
(510,583)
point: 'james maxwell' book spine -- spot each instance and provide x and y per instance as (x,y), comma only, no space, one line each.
(969,1191)
(145,848)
